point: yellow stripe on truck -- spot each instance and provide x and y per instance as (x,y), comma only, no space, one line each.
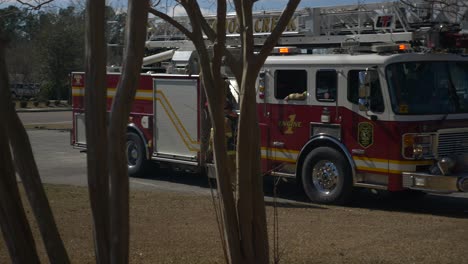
(362,163)
(163,100)
(146,95)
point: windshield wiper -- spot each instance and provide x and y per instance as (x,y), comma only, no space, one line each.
(445,116)
(453,96)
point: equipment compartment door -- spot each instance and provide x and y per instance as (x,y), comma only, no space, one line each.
(176,116)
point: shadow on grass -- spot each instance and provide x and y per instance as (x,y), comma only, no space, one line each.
(290,195)
(433,204)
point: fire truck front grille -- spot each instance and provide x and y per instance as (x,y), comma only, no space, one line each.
(452,143)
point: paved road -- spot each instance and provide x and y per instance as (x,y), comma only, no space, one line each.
(38,118)
(59,163)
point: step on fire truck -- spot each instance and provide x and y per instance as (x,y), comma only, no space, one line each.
(382,102)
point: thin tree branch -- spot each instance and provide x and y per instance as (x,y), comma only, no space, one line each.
(221,34)
(156,3)
(172,21)
(240,15)
(234,64)
(210,33)
(272,39)
(442,6)
(35,7)
(212,36)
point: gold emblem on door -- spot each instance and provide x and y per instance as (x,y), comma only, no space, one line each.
(365,134)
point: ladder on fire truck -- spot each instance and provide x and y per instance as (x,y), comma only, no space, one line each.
(387,22)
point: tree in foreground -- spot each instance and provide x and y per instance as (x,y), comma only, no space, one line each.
(107,170)
(244,231)
(107,167)
(16,155)
(244,220)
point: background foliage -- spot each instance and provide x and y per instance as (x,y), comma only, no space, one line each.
(46,45)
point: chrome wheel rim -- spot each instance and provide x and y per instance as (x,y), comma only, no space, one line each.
(325,176)
(132,154)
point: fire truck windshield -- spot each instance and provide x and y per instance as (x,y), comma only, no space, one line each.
(419,88)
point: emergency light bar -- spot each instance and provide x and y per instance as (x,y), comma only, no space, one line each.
(390,48)
(404,47)
(286,50)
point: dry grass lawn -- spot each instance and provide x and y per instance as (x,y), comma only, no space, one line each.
(169,227)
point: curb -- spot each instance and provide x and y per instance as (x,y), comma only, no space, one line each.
(36,110)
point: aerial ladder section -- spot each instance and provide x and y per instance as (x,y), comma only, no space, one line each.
(388,22)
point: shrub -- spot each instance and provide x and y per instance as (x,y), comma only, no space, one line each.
(36,103)
(24,104)
(47,102)
(47,91)
(57,102)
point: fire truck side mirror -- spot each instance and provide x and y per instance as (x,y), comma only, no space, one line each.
(364,90)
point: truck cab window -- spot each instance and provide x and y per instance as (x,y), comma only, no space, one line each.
(375,98)
(326,85)
(290,82)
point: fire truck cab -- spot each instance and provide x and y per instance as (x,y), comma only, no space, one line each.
(391,121)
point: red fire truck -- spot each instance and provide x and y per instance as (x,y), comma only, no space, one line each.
(379,112)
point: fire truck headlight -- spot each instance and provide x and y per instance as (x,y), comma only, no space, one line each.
(417,146)
(418,151)
(421,151)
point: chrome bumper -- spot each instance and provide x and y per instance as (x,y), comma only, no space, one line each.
(435,183)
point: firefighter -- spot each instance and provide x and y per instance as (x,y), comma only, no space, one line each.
(230,128)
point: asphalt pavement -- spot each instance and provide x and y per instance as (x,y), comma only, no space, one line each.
(60,163)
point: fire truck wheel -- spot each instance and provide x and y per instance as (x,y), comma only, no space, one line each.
(136,155)
(326,176)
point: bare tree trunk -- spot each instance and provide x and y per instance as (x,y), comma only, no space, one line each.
(126,89)
(15,226)
(245,232)
(13,221)
(96,126)
(251,204)
(214,86)
(229,213)
(27,170)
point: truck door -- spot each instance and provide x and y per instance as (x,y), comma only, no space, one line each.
(368,137)
(285,115)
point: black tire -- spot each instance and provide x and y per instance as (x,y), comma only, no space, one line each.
(136,155)
(326,176)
